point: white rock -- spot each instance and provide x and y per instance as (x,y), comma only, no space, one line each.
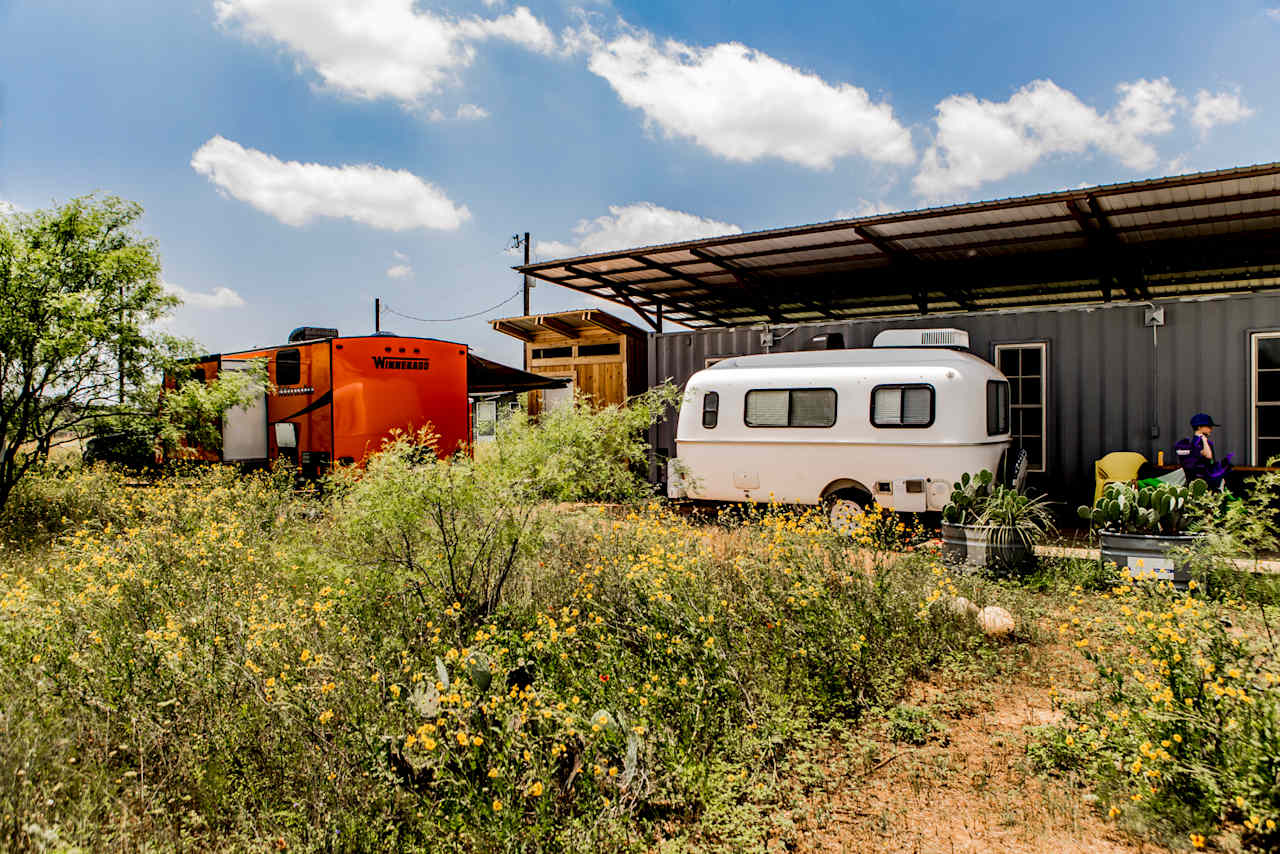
(995,621)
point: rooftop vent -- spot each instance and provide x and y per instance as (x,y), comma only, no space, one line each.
(309,333)
(953,338)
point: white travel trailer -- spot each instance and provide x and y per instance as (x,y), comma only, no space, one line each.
(896,423)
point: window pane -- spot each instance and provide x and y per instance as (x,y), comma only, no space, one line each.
(1015,423)
(1269,421)
(1015,390)
(710,409)
(767,408)
(1267,448)
(993,408)
(1008,362)
(1268,386)
(813,407)
(1030,361)
(486,417)
(887,407)
(1033,422)
(917,405)
(1034,458)
(599,349)
(997,407)
(1268,352)
(1030,391)
(288,367)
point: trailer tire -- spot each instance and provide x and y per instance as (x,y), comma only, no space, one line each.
(844,509)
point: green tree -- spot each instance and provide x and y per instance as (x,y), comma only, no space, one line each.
(80,295)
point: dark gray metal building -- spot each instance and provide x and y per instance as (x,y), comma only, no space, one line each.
(1117,312)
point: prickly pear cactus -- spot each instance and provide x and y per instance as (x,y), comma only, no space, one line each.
(1122,509)
(968,498)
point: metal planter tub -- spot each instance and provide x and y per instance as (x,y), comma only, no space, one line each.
(1147,555)
(973,545)
(955,543)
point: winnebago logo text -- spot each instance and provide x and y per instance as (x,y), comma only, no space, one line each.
(385,363)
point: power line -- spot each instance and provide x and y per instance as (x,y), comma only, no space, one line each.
(391,310)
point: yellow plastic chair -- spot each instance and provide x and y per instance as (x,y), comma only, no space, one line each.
(1116,467)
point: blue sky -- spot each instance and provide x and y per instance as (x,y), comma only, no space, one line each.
(297,159)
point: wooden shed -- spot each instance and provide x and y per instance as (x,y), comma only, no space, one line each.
(602,356)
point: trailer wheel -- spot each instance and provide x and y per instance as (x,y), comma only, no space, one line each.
(844,510)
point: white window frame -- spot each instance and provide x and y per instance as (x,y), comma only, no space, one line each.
(1043,405)
(1254,338)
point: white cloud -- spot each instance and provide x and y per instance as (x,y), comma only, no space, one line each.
(399,271)
(219,297)
(1273,14)
(470,112)
(866,208)
(297,193)
(745,105)
(400,256)
(380,48)
(466,112)
(626,226)
(979,141)
(1224,108)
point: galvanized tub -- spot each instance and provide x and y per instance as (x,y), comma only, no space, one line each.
(971,545)
(983,552)
(955,545)
(1138,554)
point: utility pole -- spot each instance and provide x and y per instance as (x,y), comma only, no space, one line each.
(377,315)
(120,351)
(526,275)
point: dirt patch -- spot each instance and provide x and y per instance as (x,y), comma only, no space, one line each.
(969,791)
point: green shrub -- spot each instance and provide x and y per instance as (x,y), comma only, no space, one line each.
(453,530)
(226,664)
(1181,734)
(580,452)
(913,725)
(52,498)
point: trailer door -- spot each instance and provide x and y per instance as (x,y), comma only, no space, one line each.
(244,429)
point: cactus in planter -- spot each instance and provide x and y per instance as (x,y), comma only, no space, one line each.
(1160,509)
(968,498)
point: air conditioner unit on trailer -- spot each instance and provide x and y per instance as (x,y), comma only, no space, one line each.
(956,339)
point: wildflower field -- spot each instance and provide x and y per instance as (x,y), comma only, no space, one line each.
(436,656)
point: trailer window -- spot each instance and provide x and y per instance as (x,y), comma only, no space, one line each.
(797,407)
(813,407)
(289,367)
(710,409)
(997,407)
(902,406)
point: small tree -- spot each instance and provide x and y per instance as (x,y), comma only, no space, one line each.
(80,293)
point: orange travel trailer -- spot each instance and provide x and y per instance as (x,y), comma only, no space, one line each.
(336,399)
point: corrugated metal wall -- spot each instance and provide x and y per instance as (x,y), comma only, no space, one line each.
(1111,387)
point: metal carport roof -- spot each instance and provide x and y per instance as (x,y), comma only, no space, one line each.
(1203,233)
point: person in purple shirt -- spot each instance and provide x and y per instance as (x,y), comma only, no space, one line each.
(1197,455)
